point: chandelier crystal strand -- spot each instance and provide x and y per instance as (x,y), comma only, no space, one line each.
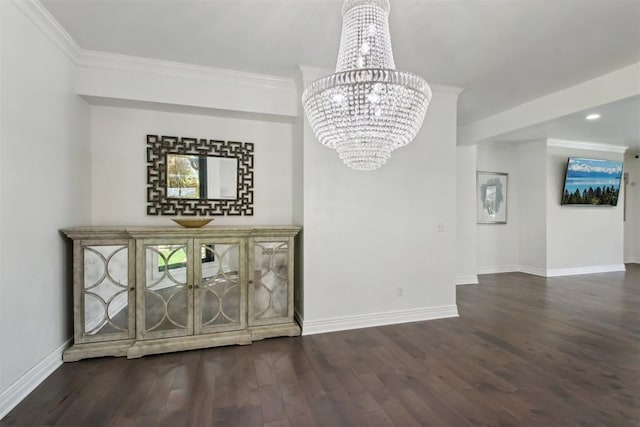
(366,109)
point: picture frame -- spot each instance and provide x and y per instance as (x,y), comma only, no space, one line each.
(161,148)
(491,197)
(592,182)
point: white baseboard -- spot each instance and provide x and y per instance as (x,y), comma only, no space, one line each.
(552,272)
(532,270)
(467,280)
(555,272)
(12,395)
(498,269)
(632,260)
(310,327)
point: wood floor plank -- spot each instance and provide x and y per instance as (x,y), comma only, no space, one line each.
(272,404)
(295,403)
(525,351)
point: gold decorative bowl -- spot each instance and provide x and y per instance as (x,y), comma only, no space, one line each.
(192,223)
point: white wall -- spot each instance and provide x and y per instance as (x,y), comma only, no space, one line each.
(531,204)
(497,244)
(466,233)
(44,186)
(632,223)
(580,236)
(118,141)
(369,235)
(541,236)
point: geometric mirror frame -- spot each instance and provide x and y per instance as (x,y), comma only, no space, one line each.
(158,202)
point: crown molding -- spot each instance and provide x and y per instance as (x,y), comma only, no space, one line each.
(42,19)
(585,145)
(84,58)
(111,61)
(51,28)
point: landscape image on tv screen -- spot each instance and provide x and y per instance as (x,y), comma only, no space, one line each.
(592,182)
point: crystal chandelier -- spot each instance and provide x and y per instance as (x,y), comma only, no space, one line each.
(366,109)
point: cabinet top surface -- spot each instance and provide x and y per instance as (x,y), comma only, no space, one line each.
(85,232)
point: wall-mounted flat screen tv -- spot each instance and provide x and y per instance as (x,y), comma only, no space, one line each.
(592,182)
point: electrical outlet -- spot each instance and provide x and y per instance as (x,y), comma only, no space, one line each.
(400,291)
(440,228)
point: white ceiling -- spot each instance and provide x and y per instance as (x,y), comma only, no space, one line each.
(502,52)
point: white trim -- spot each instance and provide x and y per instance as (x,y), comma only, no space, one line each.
(632,260)
(497,269)
(16,392)
(585,145)
(112,61)
(310,327)
(467,280)
(532,270)
(554,272)
(173,84)
(51,28)
(572,271)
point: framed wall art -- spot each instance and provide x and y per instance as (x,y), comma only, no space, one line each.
(491,197)
(592,182)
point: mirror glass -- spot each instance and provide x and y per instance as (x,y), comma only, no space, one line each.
(106,289)
(201,177)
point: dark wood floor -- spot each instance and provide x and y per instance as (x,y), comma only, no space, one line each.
(525,351)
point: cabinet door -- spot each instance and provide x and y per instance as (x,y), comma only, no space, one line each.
(165,294)
(270,281)
(219,285)
(103,296)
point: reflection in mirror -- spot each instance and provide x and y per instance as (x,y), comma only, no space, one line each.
(105,289)
(222,179)
(165,294)
(271,280)
(201,177)
(220,286)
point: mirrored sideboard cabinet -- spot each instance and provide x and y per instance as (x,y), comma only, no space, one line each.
(149,290)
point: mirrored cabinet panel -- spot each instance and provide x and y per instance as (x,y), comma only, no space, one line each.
(220,300)
(165,299)
(269,287)
(149,290)
(105,292)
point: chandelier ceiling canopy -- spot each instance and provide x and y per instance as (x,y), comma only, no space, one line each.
(366,109)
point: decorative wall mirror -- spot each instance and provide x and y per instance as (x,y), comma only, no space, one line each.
(190,176)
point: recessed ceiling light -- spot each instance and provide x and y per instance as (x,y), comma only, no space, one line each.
(594,116)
